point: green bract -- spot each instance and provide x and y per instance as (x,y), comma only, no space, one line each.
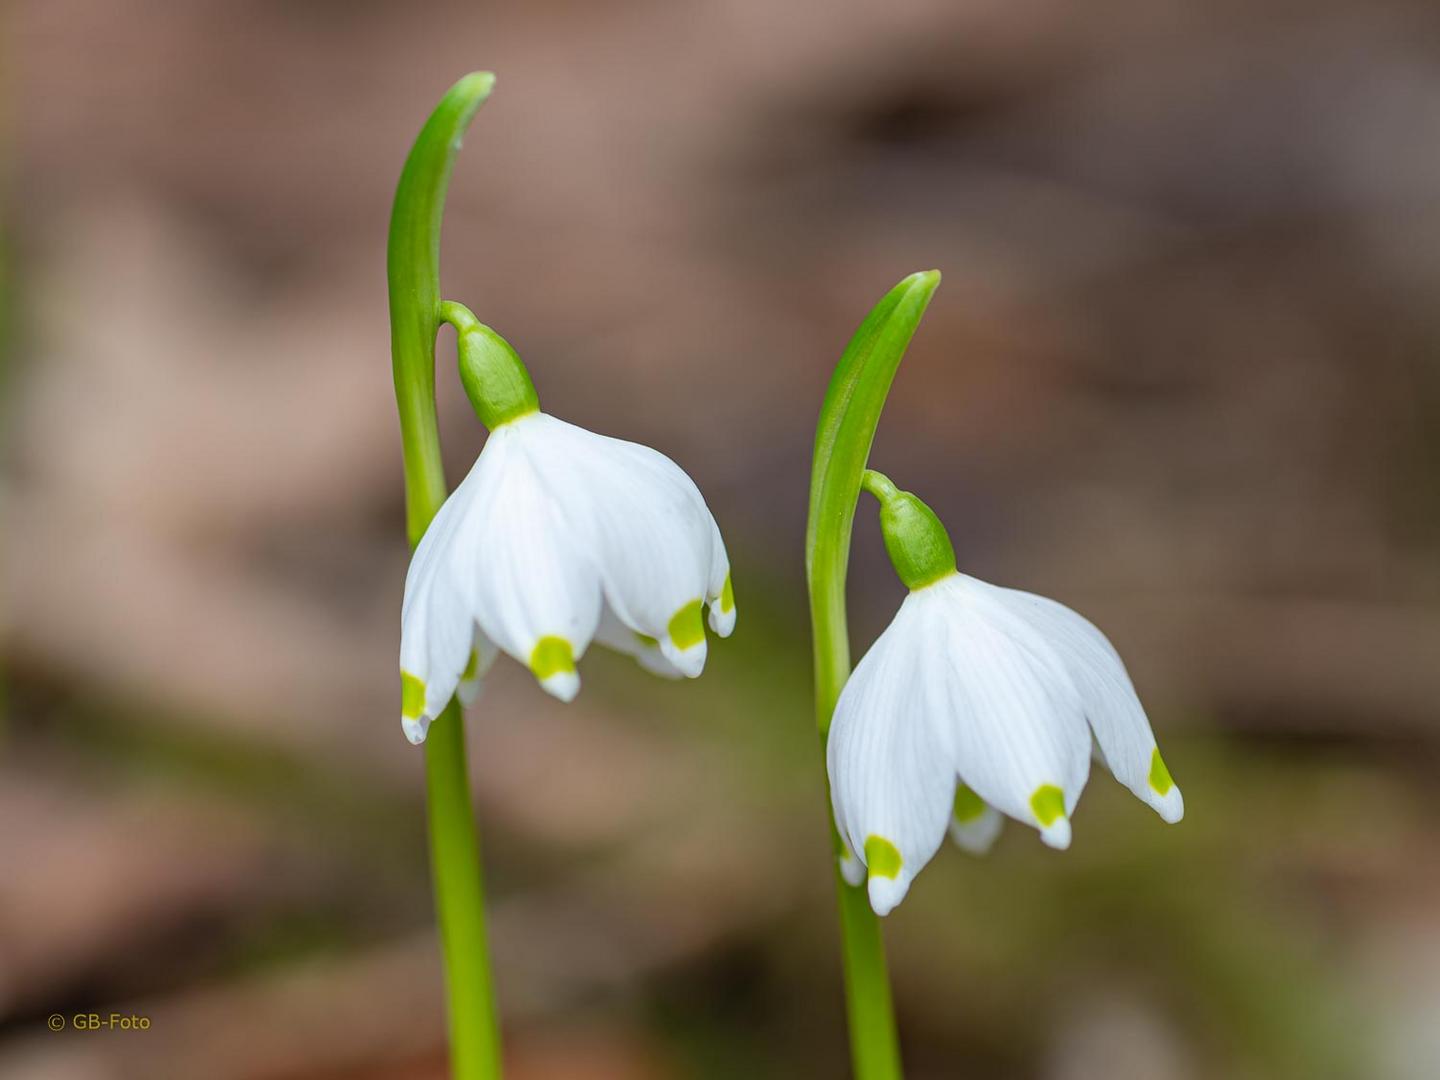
(848,419)
(413,271)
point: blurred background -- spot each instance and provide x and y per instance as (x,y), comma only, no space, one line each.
(1182,374)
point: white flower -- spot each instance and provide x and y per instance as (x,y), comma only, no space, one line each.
(558,537)
(976,701)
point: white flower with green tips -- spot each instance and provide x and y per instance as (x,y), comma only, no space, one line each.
(976,702)
(557,537)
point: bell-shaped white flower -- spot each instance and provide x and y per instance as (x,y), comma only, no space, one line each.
(976,702)
(557,537)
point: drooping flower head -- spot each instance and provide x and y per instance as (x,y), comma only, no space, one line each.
(556,538)
(976,702)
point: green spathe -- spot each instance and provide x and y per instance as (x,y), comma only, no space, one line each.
(495,381)
(413,270)
(848,418)
(413,273)
(918,545)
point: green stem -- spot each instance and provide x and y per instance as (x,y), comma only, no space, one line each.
(846,430)
(413,264)
(879,485)
(460,901)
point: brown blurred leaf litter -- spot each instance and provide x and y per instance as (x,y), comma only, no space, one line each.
(1182,374)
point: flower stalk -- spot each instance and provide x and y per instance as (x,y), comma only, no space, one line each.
(413,270)
(846,430)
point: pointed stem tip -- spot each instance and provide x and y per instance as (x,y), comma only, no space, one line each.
(477,84)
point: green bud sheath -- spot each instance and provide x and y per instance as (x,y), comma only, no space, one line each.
(918,545)
(495,380)
(843,436)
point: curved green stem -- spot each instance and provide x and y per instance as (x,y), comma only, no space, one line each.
(879,485)
(413,268)
(848,419)
(413,265)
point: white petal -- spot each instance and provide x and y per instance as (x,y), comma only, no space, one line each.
(1122,731)
(435,618)
(1021,742)
(892,780)
(645,524)
(614,634)
(974,825)
(482,655)
(563,684)
(533,587)
(721,595)
(852,870)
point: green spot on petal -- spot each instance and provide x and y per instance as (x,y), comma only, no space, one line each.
(968,805)
(881,857)
(551,656)
(685,629)
(727,596)
(412,696)
(472,666)
(646,640)
(1048,803)
(1160,778)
